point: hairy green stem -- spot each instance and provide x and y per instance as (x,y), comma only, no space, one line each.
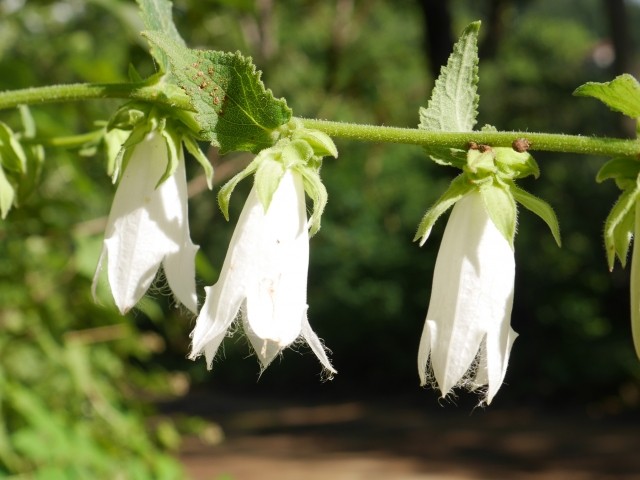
(84,91)
(71,141)
(608,147)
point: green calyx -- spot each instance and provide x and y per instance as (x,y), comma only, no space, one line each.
(20,162)
(131,124)
(619,227)
(491,172)
(300,150)
(453,107)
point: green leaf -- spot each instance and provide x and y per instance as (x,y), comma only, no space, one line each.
(621,94)
(617,228)
(453,105)
(234,109)
(502,208)
(540,208)
(156,15)
(458,188)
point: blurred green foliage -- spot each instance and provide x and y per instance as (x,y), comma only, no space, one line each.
(75,376)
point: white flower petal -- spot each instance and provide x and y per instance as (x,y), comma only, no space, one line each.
(215,318)
(266,269)
(316,345)
(180,267)
(145,224)
(277,289)
(471,301)
(180,271)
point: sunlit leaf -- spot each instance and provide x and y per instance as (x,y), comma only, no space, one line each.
(234,109)
(621,94)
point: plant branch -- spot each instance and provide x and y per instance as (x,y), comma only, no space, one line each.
(84,91)
(608,147)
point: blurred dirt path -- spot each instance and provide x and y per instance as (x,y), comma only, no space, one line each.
(401,439)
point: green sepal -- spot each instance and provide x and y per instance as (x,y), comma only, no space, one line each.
(317,192)
(121,160)
(234,109)
(173,142)
(453,106)
(28,123)
(29,181)
(320,142)
(624,170)
(621,94)
(539,207)
(457,189)
(267,179)
(224,195)
(619,227)
(12,155)
(7,194)
(113,140)
(34,155)
(448,157)
(194,149)
(501,207)
(128,116)
(480,164)
(512,164)
(296,153)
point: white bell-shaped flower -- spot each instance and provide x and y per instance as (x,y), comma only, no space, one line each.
(467,336)
(264,276)
(148,226)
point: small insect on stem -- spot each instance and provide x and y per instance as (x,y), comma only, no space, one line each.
(479,146)
(521,145)
(484,148)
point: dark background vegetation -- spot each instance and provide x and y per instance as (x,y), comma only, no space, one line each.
(363,61)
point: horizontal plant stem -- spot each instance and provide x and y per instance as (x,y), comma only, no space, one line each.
(537,141)
(71,141)
(153,93)
(84,91)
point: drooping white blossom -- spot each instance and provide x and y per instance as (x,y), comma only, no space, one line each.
(467,336)
(264,277)
(148,226)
